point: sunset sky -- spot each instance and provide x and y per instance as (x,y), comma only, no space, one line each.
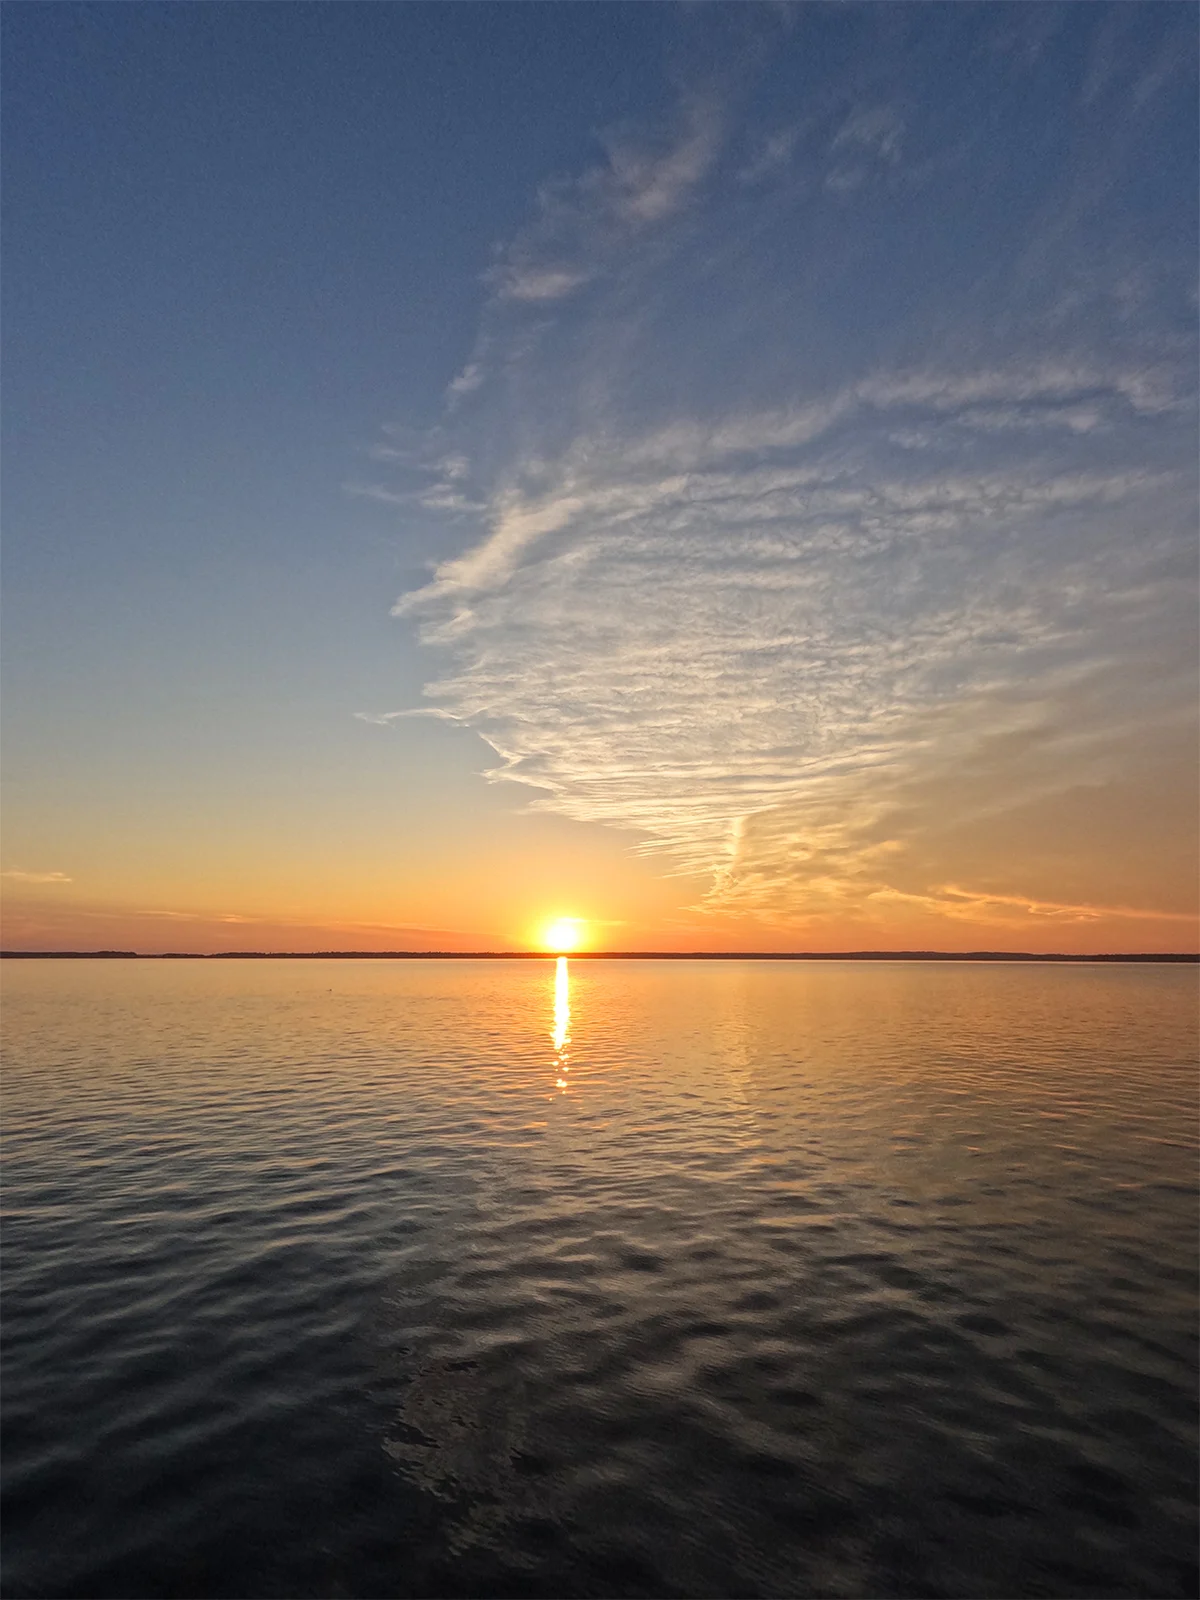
(723,474)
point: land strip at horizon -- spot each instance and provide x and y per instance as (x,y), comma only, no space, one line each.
(598,955)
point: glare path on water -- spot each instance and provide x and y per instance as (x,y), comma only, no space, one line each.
(561,1034)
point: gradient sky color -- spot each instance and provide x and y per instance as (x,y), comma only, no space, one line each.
(724,473)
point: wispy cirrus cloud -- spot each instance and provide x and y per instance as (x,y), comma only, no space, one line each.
(689,461)
(46,924)
(584,223)
(536,281)
(22,876)
(869,139)
(384,719)
(701,657)
(831,571)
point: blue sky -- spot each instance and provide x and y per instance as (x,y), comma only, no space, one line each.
(773,430)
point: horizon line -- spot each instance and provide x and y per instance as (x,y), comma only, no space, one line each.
(596,955)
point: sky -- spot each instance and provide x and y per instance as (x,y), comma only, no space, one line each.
(726,474)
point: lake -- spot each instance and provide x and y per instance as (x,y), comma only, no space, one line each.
(359,1278)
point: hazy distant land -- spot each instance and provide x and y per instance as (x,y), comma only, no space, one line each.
(585,955)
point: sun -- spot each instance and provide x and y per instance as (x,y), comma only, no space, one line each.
(564,933)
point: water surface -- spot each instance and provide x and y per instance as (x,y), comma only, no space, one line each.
(387,1278)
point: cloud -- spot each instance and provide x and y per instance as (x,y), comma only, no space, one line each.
(876,129)
(1028,399)
(381,492)
(53,925)
(647,184)
(384,719)
(585,226)
(543,281)
(775,152)
(977,907)
(750,645)
(868,141)
(847,575)
(468,380)
(35,877)
(515,526)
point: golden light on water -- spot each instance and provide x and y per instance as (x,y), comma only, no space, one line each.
(561,1034)
(562,1005)
(564,933)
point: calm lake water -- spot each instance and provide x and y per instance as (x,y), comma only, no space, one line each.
(499,1278)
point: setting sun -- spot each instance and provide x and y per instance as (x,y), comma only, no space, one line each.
(565,933)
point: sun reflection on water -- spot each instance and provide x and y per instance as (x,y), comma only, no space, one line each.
(561,1034)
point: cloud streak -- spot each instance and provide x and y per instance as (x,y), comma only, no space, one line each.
(854,627)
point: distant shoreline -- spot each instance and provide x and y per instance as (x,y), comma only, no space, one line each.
(586,955)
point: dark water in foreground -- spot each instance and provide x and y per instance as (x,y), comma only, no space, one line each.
(373,1278)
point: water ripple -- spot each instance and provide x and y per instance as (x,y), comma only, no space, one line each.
(409,1278)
